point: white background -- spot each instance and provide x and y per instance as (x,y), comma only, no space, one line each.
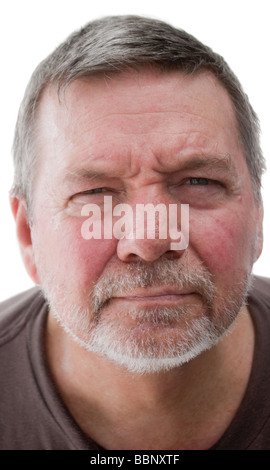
(31,29)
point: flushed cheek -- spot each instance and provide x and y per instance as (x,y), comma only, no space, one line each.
(73,260)
(223,242)
(92,257)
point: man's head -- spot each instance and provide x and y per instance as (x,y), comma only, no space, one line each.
(136,110)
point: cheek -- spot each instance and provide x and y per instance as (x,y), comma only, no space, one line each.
(73,260)
(224,242)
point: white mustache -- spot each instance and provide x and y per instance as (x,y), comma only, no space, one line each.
(122,281)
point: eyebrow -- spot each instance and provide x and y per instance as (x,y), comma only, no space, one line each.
(83,174)
(219,163)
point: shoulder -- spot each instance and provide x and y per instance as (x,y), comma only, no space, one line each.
(261,284)
(16,311)
(260,290)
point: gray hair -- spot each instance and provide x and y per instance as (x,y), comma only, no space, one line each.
(114,44)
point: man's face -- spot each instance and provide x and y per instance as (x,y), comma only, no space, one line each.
(141,138)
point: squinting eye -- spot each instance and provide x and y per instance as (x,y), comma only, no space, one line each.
(95,191)
(199,181)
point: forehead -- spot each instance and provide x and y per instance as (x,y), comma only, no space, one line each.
(136,92)
(135,114)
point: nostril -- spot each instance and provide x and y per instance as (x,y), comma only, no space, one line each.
(131,250)
(131,258)
(172,254)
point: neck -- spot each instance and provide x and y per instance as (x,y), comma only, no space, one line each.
(184,408)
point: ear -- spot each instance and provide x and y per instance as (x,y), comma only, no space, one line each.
(259,240)
(23,229)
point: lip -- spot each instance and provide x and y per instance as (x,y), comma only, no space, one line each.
(157,296)
(157,292)
(154,297)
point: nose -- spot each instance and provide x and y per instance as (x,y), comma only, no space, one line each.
(155,233)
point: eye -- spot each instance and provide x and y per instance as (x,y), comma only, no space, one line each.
(200,192)
(93,196)
(199,181)
(90,196)
(95,191)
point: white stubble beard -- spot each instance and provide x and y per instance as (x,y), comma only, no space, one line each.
(87,324)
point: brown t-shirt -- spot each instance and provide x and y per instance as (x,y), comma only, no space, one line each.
(32,415)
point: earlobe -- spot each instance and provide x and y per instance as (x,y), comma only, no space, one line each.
(24,236)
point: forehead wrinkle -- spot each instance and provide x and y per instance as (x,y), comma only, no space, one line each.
(220,163)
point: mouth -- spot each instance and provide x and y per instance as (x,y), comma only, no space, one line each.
(158,297)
